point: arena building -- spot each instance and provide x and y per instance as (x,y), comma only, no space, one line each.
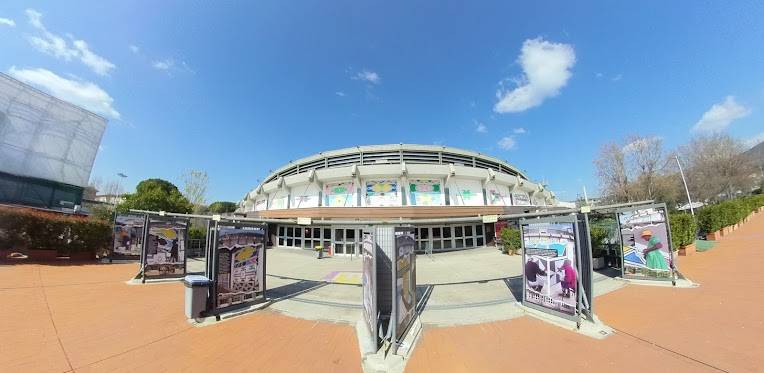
(388,182)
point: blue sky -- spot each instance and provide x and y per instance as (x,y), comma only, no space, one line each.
(239,89)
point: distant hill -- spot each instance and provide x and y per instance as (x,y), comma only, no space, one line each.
(756,153)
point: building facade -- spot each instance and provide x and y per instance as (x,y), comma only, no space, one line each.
(390,182)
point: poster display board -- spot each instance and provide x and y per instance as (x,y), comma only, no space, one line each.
(405,279)
(425,192)
(164,253)
(339,194)
(380,193)
(646,242)
(127,240)
(369,282)
(239,264)
(550,270)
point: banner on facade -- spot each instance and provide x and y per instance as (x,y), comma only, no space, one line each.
(165,247)
(339,194)
(239,264)
(425,192)
(380,193)
(550,274)
(521,199)
(128,236)
(646,243)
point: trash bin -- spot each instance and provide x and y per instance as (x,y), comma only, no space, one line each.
(197,287)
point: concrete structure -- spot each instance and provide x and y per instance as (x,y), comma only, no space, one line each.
(391,182)
(47,147)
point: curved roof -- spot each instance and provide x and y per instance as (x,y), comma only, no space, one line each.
(394,154)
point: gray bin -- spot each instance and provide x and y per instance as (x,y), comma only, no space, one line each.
(197,288)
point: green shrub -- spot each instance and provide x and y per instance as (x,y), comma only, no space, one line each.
(22,229)
(597,235)
(683,229)
(510,241)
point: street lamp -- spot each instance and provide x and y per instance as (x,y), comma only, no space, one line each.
(681,172)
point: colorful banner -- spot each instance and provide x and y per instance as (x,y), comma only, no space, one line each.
(128,236)
(380,193)
(425,192)
(369,282)
(521,199)
(339,194)
(405,278)
(496,197)
(165,247)
(550,271)
(646,244)
(239,254)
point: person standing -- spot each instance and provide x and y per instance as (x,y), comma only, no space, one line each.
(653,257)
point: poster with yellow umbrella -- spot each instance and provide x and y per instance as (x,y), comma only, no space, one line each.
(165,249)
(240,252)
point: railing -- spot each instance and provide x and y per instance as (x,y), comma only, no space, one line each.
(196,248)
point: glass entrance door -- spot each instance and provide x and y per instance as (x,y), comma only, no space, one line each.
(346,241)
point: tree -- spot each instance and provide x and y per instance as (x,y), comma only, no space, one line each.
(156,195)
(645,159)
(221,207)
(195,188)
(611,170)
(717,168)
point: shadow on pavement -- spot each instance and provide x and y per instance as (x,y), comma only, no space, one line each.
(292,290)
(515,285)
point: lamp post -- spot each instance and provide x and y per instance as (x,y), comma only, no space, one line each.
(681,172)
(119,194)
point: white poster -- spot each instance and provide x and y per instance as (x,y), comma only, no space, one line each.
(465,192)
(521,199)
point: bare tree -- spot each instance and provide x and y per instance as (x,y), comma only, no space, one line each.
(611,170)
(195,188)
(645,160)
(717,168)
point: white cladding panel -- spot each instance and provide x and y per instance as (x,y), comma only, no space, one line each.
(278,200)
(465,192)
(304,196)
(497,194)
(43,137)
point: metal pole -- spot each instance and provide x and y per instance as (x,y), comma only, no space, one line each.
(681,172)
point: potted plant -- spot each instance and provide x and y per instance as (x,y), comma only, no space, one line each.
(598,236)
(510,241)
(319,251)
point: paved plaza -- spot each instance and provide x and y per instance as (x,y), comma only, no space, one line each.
(60,318)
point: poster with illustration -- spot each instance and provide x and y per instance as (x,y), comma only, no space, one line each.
(405,278)
(239,251)
(646,244)
(339,194)
(368,280)
(425,192)
(521,199)
(550,273)
(128,236)
(381,193)
(165,254)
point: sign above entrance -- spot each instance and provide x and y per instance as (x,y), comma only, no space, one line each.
(490,218)
(304,221)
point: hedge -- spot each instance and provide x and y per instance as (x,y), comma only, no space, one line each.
(24,229)
(683,229)
(712,218)
(510,240)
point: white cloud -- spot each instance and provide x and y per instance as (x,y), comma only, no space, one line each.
(165,64)
(340,93)
(367,76)
(480,127)
(56,46)
(721,115)
(519,130)
(617,78)
(753,140)
(86,94)
(507,143)
(546,69)
(7,22)
(134,48)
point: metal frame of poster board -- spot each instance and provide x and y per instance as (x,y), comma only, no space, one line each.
(212,267)
(112,254)
(572,220)
(661,206)
(399,331)
(369,284)
(146,229)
